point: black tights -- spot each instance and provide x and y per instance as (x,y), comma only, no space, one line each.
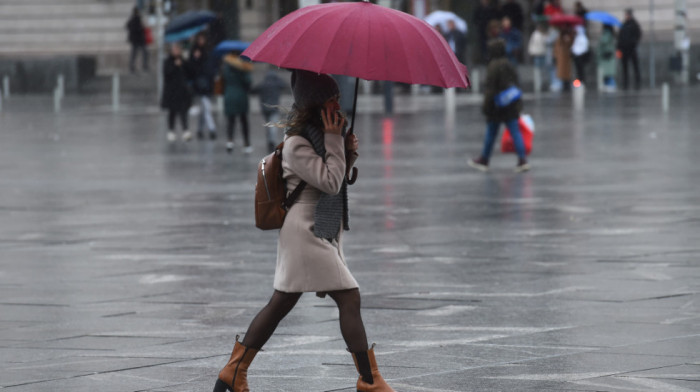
(178,113)
(351,326)
(231,126)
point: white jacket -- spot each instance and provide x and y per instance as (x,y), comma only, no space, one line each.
(538,44)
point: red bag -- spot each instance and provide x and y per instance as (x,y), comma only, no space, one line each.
(527,129)
(148,34)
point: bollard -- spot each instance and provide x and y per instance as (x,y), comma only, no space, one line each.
(0,102)
(56,100)
(579,95)
(474,78)
(538,79)
(6,86)
(600,79)
(415,89)
(450,100)
(665,101)
(115,92)
(60,86)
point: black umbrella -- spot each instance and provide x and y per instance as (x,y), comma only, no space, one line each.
(189,20)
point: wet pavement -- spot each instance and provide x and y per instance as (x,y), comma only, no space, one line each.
(127,264)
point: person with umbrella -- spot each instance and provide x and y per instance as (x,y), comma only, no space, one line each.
(318,152)
(315,41)
(501,75)
(176,97)
(562,55)
(137,39)
(201,64)
(237,82)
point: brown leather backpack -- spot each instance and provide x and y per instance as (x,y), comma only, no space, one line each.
(271,200)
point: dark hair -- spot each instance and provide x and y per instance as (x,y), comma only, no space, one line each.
(298,119)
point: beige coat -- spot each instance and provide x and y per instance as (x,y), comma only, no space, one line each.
(306,263)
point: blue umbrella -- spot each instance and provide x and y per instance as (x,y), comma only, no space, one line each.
(188,21)
(228,46)
(183,34)
(603,17)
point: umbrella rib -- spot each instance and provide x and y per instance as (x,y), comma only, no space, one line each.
(445,47)
(292,50)
(335,36)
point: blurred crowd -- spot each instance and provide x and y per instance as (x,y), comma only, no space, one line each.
(560,45)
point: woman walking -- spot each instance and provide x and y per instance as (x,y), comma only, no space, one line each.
(177,96)
(309,250)
(500,76)
(237,83)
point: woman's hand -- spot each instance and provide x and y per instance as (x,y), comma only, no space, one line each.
(333,122)
(351,143)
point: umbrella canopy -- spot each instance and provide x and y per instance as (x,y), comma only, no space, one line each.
(188,21)
(564,19)
(604,18)
(228,46)
(184,34)
(440,18)
(363,40)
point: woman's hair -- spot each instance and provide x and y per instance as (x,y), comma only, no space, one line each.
(298,119)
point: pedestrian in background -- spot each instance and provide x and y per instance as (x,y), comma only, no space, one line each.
(514,11)
(310,254)
(580,51)
(137,39)
(562,56)
(627,41)
(501,75)
(237,82)
(607,63)
(270,90)
(202,67)
(177,97)
(513,39)
(456,39)
(553,7)
(484,14)
(537,47)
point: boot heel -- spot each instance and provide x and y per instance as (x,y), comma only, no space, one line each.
(221,386)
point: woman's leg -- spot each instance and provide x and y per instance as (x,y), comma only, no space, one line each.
(265,323)
(246,131)
(514,130)
(489,139)
(230,126)
(171,119)
(351,326)
(184,119)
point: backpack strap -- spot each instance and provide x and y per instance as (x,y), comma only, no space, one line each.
(294,195)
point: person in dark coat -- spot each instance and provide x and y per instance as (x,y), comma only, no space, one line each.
(237,82)
(627,41)
(514,11)
(202,70)
(500,75)
(177,96)
(484,13)
(270,90)
(217,30)
(456,39)
(137,39)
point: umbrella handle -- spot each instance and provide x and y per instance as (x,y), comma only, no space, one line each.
(352,177)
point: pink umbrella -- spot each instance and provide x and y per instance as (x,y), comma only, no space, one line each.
(363,40)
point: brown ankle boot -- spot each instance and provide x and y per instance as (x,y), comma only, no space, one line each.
(367,365)
(234,376)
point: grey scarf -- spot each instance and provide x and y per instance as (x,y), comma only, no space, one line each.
(331,210)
